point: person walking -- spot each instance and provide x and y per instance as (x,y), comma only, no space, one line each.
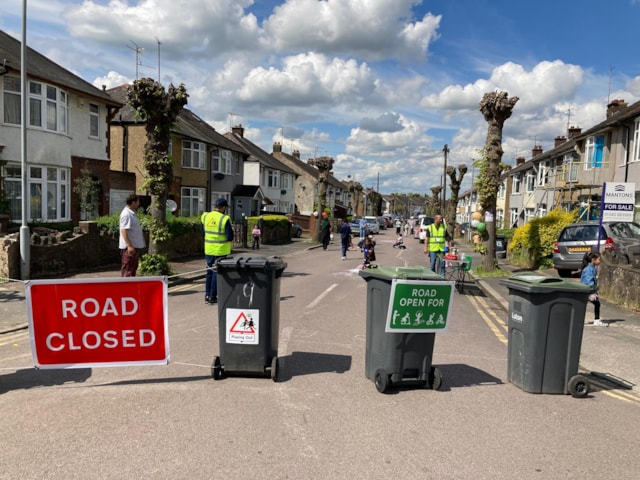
(256,237)
(345,237)
(131,237)
(589,276)
(434,243)
(325,231)
(218,235)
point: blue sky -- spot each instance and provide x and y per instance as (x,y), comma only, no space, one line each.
(379,85)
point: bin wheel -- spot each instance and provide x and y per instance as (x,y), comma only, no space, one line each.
(216,368)
(381,380)
(275,366)
(435,378)
(578,386)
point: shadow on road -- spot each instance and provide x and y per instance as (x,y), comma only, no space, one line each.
(457,375)
(32,378)
(308,363)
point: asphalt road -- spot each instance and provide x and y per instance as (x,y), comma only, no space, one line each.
(323,418)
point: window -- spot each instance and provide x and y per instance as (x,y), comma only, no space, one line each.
(529,213)
(11,97)
(499,218)
(286,181)
(593,152)
(543,173)
(193,154)
(530,180)
(570,170)
(192,201)
(48,190)
(94,120)
(516,183)
(221,161)
(501,190)
(513,217)
(636,141)
(272,178)
(48,105)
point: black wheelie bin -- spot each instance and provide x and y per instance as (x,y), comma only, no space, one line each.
(546,320)
(406,306)
(248,316)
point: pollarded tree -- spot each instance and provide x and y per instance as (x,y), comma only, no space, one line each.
(324,166)
(158,110)
(496,107)
(454,185)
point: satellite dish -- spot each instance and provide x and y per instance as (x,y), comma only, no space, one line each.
(172,206)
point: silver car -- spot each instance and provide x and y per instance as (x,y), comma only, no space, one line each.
(620,239)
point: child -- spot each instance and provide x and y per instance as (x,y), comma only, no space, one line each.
(256,237)
(589,277)
(399,242)
(369,252)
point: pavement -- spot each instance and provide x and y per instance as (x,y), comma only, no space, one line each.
(610,355)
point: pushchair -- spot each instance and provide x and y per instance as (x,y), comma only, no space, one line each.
(399,243)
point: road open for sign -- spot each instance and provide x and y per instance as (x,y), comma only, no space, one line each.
(98,322)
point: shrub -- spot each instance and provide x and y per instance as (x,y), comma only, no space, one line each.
(532,244)
(155,264)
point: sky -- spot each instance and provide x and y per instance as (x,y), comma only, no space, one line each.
(381,86)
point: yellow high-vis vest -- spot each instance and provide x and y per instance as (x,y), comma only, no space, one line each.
(436,237)
(215,238)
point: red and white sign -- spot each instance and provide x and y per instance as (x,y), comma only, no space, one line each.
(98,322)
(243,326)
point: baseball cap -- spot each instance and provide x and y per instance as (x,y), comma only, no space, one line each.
(221,202)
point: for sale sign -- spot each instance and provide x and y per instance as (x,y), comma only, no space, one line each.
(419,306)
(618,201)
(98,322)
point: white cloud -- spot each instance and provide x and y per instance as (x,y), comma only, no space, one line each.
(111,80)
(372,29)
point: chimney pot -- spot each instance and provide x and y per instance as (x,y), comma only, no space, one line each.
(560,139)
(537,150)
(238,130)
(519,160)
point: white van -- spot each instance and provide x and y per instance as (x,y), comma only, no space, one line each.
(423,222)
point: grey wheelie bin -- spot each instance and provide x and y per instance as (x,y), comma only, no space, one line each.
(248,316)
(546,319)
(406,306)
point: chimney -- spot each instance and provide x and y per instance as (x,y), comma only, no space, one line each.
(559,141)
(238,130)
(537,150)
(296,153)
(615,106)
(574,132)
(277,147)
(519,160)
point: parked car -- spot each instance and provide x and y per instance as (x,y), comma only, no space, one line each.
(355,227)
(382,223)
(422,227)
(296,230)
(620,239)
(372,224)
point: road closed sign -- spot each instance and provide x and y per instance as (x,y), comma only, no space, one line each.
(98,322)
(419,306)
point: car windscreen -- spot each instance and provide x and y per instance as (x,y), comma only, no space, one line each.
(581,233)
(629,230)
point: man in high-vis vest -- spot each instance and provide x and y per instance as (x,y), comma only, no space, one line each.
(218,235)
(435,241)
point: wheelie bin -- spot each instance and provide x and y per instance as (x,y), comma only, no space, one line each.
(248,316)
(546,320)
(406,306)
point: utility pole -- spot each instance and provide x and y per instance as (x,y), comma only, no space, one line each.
(444,179)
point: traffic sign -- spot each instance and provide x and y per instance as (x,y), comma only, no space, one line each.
(98,322)
(419,306)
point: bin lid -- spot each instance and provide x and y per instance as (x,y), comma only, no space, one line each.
(404,273)
(237,262)
(534,283)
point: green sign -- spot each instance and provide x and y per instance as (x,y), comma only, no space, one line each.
(419,306)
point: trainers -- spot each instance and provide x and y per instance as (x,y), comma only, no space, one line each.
(600,323)
(344,258)
(213,300)
(207,300)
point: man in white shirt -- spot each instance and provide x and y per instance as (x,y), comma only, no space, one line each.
(131,237)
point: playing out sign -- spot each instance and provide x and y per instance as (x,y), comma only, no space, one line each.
(419,306)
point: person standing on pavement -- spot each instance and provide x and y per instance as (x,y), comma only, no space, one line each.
(345,237)
(218,235)
(131,237)
(589,276)
(325,231)
(434,243)
(256,237)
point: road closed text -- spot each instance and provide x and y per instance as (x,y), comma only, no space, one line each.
(114,322)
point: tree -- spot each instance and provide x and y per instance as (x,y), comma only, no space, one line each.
(496,108)
(87,188)
(450,208)
(324,166)
(159,110)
